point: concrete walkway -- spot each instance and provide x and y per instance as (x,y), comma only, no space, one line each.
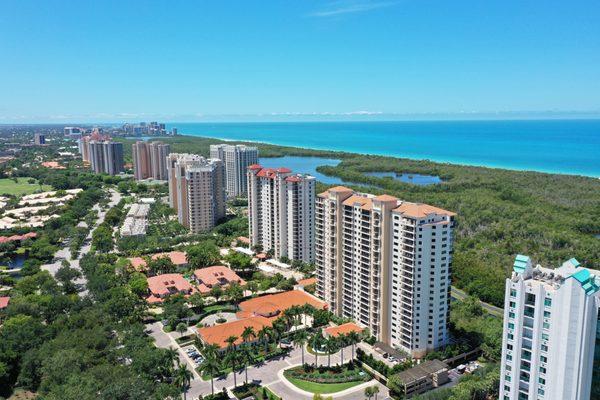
(491,309)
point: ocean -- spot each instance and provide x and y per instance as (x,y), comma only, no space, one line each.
(557,146)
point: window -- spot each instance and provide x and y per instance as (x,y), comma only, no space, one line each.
(513,293)
(547,302)
(544,359)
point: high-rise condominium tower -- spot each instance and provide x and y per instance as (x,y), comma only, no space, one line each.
(196,190)
(386,263)
(237,159)
(281,212)
(150,160)
(106,156)
(550,332)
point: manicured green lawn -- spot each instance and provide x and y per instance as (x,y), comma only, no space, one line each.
(322,388)
(19,188)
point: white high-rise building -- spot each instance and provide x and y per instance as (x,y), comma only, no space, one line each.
(237,159)
(196,190)
(386,264)
(281,212)
(550,332)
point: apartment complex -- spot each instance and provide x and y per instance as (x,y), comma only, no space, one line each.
(281,212)
(39,139)
(550,332)
(150,160)
(237,159)
(196,190)
(386,263)
(106,156)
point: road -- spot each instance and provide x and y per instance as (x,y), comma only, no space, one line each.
(493,310)
(268,373)
(65,253)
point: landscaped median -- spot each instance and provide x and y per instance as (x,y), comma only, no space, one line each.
(326,380)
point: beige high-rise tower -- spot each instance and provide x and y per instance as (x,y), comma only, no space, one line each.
(386,264)
(237,159)
(196,190)
(150,160)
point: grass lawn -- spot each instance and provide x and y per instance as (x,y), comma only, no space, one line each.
(322,388)
(21,187)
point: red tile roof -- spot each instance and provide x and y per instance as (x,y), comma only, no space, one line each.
(218,275)
(418,210)
(15,238)
(161,286)
(52,165)
(177,257)
(255,166)
(307,281)
(217,334)
(4,302)
(243,239)
(343,329)
(292,179)
(273,304)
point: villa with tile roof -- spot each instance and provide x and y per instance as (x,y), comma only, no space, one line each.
(550,331)
(217,275)
(162,286)
(178,258)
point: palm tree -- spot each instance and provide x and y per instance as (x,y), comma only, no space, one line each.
(263,335)
(278,328)
(307,309)
(342,341)
(300,339)
(369,392)
(331,347)
(248,334)
(183,377)
(353,338)
(316,342)
(232,356)
(210,365)
(246,357)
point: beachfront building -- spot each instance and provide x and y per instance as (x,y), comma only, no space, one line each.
(196,190)
(281,212)
(550,331)
(150,160)
(386,264)
(237,159)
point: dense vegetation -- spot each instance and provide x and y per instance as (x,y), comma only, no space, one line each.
(64,347)
(500,213)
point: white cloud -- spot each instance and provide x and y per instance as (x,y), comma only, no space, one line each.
(350,7)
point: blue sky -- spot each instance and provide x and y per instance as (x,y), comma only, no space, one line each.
(84,60)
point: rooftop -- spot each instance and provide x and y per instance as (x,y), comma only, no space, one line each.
(176,257)
(4,302)
(162,285)
(418,210)
(218,334)
(422,371)
(215,275)
(273,304)
(343,329)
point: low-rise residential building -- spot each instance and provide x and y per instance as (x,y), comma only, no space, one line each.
(551,332)
(272,305)
(179,258)
(162,286)
(343,329)
(218,334)
(217,275)
(136,220)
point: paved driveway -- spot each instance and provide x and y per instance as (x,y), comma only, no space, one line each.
(266,373)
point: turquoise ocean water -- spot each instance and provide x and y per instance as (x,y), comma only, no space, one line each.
(560,146)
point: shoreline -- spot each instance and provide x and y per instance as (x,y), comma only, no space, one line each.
(342,152)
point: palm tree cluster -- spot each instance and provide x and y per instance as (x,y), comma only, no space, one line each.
(330,344)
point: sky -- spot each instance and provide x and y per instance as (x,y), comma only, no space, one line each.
(111,61)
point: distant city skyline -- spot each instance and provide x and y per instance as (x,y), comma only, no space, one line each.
(107,62)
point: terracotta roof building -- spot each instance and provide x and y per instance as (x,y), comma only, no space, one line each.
(307,281)
(161,286)
(4,302)
(344,329)
(179,258)
(217,334)
(273,305)
(217,275)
